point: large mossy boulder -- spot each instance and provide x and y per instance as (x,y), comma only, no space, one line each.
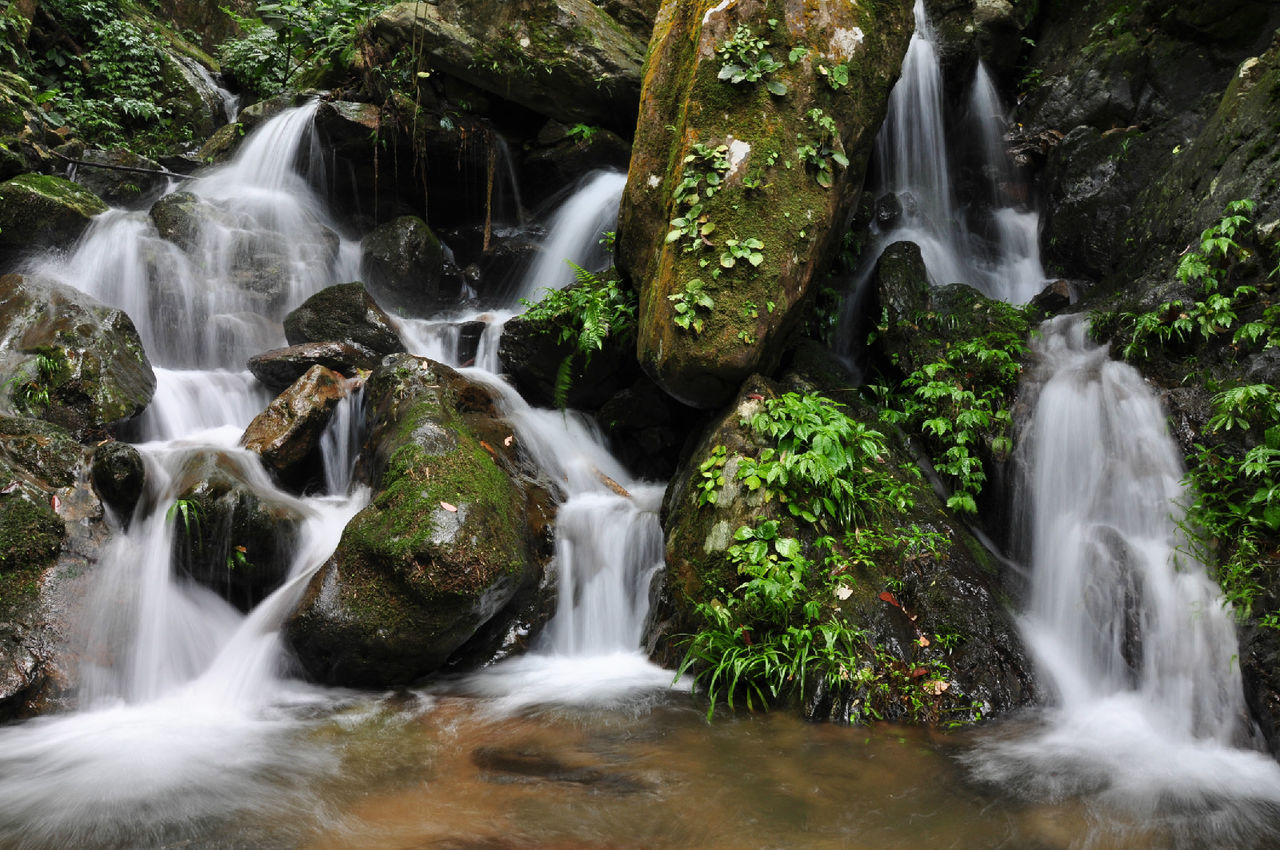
(402,263)
(738,192)
(914,583)
(445,544)
(343,313)
(41,211)
(74,362)
(233,532)
(566,59)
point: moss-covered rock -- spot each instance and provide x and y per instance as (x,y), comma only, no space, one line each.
(287,434)
(774,163)
(443,547)
(233,532)
(73,361)
(900,593)
(402,263)
(566,59)
(116,187)
(343,313)
(40,211)
(51,455)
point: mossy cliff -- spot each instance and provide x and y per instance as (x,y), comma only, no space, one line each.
(778,159)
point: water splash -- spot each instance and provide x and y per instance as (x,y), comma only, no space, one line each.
(574,234)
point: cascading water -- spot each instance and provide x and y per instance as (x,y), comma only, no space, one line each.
(993,248)
(575,232)
(1126,624)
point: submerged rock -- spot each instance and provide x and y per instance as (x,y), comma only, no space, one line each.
(738,192)
(279,368)
(40,211)
(77,363)
(343,313)
(445,544)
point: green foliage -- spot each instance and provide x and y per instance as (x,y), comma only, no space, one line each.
(1186,322)
(583,133)
(782,629)
(594,309)
(31,392)
(705,169)
(255,59)
(689,305)
(188,510)
(742,249)
(837,76)
(959,403)
(1234,518)
(747,60)
(820,152)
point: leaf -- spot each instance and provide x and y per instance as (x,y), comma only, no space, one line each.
(775,87)
(886,596)
(449,507)
(922,641)
(936,687)
(508,440)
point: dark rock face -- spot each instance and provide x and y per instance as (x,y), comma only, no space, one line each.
(565,59)
(445,545)
(230,535)
(287,434)
(403,266)
(78,364)
(952,591)
(648,428)
(279,368)
(343,313)
(119,188)
(118,476)
(39,211)
(561,156)
(687,113)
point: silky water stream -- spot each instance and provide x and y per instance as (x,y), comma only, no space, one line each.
(191,731)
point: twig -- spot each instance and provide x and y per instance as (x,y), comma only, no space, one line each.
(163,172)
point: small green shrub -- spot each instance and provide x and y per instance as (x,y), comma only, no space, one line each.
(747,59)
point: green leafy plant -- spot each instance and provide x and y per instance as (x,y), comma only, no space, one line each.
(584,315)
(705,169)
(820,153)
(837,76)
(750,250)
(32,392)
(747,60)
(583,133)
(690,304)
(188,511)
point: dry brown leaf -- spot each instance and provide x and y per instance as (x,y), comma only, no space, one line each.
(449,507)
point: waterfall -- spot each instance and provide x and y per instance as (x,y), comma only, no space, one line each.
(993,247)
(575,232)
(1124,622)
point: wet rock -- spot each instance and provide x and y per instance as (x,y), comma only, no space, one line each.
(75,362)
(348,127)
(507,764)
(1056,297)
(119,188)
(26,141)
(40,211)
(687,114)
(287,434)
(222,145)
(954,590)
(179,217)
(566,59)
(279,368)
(443,547)
(561,155)
(118,476)
(187,93)
(887,211)
(50,455)
(901,283)
(343,313)
(493,266)
(403,263)
(232,533)
(647,428)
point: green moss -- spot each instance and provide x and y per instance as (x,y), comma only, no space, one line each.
(30,535)
(59,191)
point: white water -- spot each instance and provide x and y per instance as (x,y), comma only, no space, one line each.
(995,251)
(1125,625)
(575,232)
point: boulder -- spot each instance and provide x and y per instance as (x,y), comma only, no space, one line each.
(40,211)
(50,456)
(738,193)
(76,362)
(897,597)
(561,155)
(25,138)
(566,59)
(402,263)
(116,187)
(901,283)
(179,218)
(233,532)
(647,428)
(287,434)
(118,476)
(343,313)
(279,368)
(445,544)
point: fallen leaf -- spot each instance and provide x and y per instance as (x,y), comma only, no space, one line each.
(9,488)
(488,448)
(844,592)
(886,596)
(922,641)
(56,502)
(918,672)
(449,507)
(936,687)
(507,441)
(755,396)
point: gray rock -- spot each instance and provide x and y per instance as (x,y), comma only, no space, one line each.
(343,313)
